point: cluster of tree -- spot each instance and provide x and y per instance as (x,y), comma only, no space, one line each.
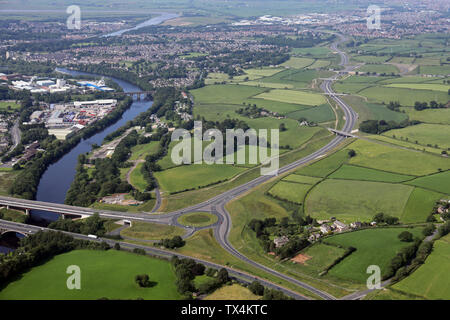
(143,281)
(40,247)
(419,106)
(175,242)
(295,243)
(187,269)
(304,41)
(28,67)
(394,106)
(380,126)
(92,225)
(384,218)
(403,258)
(444,229)
(268,294)
(251,111)
(406,236)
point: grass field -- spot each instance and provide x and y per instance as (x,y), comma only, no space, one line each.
(352,200)
(290,96)
(379,68)
(228,94)
(320,256)
(392,159)
(137,179)
(298,63)
(141,150)
(440,116)
(6,180)
(406,97)
(421,86)
(107,274)
(419,205)
(195,175)
(290,191)
(438,182)
(233,292)
(317,114)
(431,280)
(9,106)
(151,231)
(301,179)
(366,174)
(197,219)
(373,247)
(424,134)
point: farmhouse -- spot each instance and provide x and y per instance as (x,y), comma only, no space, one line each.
(356,225)
(340,226)
(281,241)
(325,228)
(313,237)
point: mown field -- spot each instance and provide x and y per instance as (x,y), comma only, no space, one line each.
(431,280)
(197,219)
(104,274)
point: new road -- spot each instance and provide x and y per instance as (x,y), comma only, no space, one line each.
(217,204)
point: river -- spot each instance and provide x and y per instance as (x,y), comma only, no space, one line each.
(56,180)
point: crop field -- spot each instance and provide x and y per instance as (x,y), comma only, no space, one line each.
(197,219)
(262,72)
(353,200)
(298,63)
(105,274)
(373,247)
(290,191)
(151,231)
(439,182)
(290,96)
(193,176)
(435,70)
(431,280)
(419,205)
(350,172)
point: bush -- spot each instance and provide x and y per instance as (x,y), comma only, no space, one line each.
(406,236)
(256,288)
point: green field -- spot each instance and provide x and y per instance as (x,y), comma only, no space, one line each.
(438,182)
(379,68)
(298,63)
(424,134)
(137,179)
(393,159)
(320,256)
(406,97)
(421,86)
(352,200)
(291,96)
(151,231)
(141,150)
(366,174)
(227,94)
(290,191)
(301,179)
(194,176)
(373,247)
(431,280)
(108,274)
(317,114)
(440,116)
(419,205)
(9,106)
(197,219)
